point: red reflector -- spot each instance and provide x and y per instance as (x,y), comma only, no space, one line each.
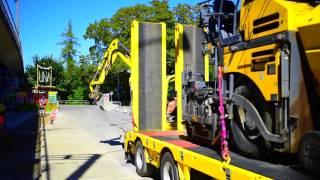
(1,121)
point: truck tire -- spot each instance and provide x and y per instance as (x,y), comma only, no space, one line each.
(142,168)
(246,136)
(309,152)
(168,168)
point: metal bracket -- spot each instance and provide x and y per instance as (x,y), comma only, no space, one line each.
(253,112)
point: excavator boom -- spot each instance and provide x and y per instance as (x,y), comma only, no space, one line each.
(112,54)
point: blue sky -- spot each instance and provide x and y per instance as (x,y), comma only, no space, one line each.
(42,22)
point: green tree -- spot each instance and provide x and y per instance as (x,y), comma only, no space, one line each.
(101,33)
(119,26)
(78,94)
(69,44)
(186,14)
(86,72)
(46,61)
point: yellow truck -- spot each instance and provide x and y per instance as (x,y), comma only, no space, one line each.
(155,143)
(265,55)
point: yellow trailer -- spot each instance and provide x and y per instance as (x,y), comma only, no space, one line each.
(178,158)
(154,142)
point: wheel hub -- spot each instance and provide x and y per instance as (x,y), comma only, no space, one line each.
(139,159)
(248,125)
(168,173)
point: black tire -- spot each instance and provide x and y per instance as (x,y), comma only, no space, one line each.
(247,138)
(129,158)
(309,153)
(142,168)
(168,168)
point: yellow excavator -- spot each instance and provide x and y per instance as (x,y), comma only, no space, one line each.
(112,54)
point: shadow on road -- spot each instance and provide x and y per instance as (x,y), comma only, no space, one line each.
(20,151)
(113,142)
(84,167)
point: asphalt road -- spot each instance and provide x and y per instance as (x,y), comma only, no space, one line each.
(85,143)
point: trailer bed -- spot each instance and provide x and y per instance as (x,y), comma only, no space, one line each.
(179,144)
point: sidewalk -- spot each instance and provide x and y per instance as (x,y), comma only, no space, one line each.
(19,148)
(69,152)
(15,119)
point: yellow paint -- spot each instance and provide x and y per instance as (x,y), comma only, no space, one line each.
(298,18)
(164,123)
(110,56)
(178,73)
(135,72)
(190,160)
(184,171)
(241,62)
(291,15)
(206,68)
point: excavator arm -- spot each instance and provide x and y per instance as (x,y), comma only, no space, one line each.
(110,56)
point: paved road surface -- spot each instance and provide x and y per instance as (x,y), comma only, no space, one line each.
(84,142)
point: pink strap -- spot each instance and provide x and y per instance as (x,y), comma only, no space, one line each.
(224,143)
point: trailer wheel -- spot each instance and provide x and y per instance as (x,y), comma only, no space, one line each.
(142,168)
(309,152)
(246,135)
(168,168)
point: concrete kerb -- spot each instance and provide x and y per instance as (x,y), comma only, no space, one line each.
(42,169)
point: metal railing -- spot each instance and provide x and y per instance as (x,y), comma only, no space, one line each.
(4,7)
(74,102)
(116,103)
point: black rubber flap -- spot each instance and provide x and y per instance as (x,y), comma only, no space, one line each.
(150,92)
(193,38)
(193,59)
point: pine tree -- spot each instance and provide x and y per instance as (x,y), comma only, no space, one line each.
(68,55)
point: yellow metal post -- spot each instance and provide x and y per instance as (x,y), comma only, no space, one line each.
(164,76)
(206,68)
(178,73)
(135,73)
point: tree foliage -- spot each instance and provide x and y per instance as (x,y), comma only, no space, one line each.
(46,61)
(73,73)
(69,43)
(69,53)
(186,14)
(119,26)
